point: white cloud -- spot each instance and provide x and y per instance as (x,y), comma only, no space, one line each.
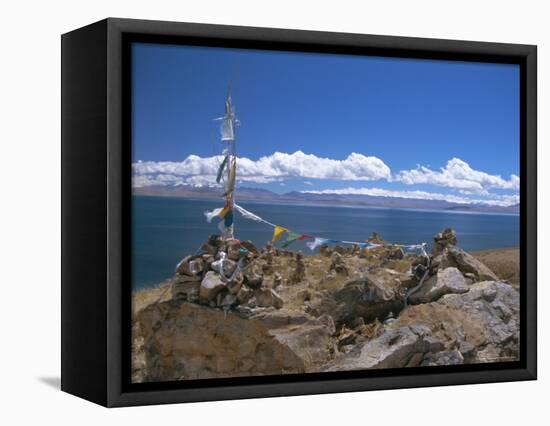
(276,167)
(140,181)
(495,200)
(155,180)
(457,174)
(472,186)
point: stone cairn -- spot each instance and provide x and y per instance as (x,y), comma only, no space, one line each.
(226,274)
(337,264)
(299,269)
(444,239)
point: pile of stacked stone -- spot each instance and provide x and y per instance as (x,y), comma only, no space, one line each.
(299,272)
(226,274)
(337,264)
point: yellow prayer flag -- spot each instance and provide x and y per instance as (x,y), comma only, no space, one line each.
(278,232)
(224,211)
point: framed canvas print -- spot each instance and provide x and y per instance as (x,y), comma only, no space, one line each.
(252,212)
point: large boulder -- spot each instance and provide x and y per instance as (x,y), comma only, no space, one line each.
(309,338)
(448,280)
(395,348)
(463,261)
(368,297)
(179,340)
(483,324)
(469,264)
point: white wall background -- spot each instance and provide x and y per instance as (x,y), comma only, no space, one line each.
(30,211)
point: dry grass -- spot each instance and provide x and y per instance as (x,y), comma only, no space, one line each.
(503,262)
(401,265)
(142,298)
(318,282)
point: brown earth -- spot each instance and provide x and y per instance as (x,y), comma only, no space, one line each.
(504,262)
(158,293)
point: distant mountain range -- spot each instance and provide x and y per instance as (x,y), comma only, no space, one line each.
(256,194)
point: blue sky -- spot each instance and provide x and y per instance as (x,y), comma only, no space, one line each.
(419,126)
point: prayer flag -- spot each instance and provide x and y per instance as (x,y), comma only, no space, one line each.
(228,218)
(278,232)
(211,214)
(226,209)
(316,243)
(290,238)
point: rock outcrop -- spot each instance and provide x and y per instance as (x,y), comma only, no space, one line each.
(468,264)
(482,324)
(234,310)
(181,340)
(445,281)
(395,348)
(368,298)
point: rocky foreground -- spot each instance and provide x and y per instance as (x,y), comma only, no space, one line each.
(233,310)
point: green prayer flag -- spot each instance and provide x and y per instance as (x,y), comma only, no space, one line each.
(290,238)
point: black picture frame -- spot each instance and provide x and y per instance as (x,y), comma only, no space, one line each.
(96,220)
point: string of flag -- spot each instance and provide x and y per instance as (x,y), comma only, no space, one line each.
(292,236)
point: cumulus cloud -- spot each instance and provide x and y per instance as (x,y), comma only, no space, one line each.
(469,186)
(457,174)
(155,180)
(276,167)
(495,200)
